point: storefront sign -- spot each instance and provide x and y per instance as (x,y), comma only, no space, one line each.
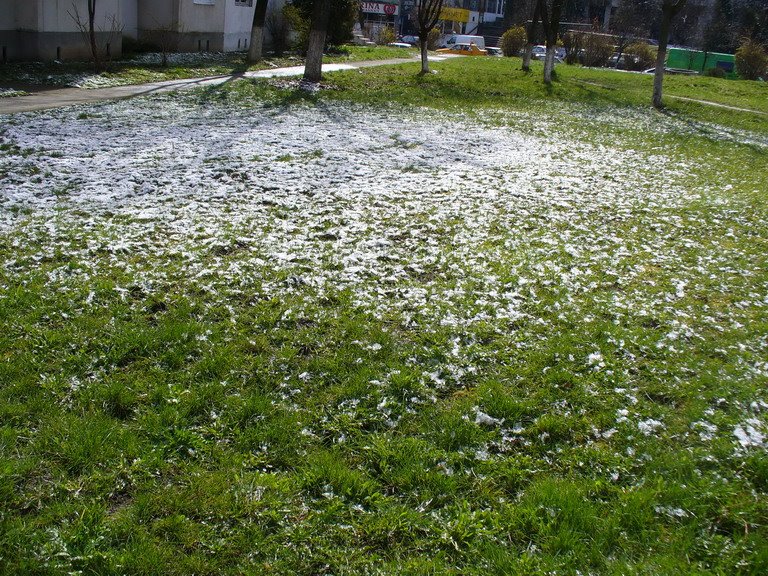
(385,8)
(454,14)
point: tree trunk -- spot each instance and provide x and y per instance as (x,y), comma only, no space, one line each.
(661,56)
(314,63)
(549,64)
(669,10)
(427,13)
(257,32)
(530,34)
(424,56)
(620,53)
(607,17)
(92,34)
(551,21)
(527,54)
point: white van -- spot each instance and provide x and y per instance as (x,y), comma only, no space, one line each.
(451,41)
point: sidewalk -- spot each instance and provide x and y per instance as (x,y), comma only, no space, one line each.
(57,98)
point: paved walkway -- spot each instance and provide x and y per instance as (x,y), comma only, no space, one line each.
(56,98)
(673,97)
(717,105)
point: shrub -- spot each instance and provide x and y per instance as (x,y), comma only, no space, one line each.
(572,45)
(387,35)
(298,24)
(751,60)
(279,29)
(597,49)
(640,56)
(512,41)
(594,47)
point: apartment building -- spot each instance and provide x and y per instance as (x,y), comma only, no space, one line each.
(51,29)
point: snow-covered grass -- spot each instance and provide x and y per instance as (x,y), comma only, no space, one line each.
(249,332)
(11,93)
(472,83)
(148,67)
(137,69)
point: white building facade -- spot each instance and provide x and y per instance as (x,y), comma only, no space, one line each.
(209,25)
(50,29)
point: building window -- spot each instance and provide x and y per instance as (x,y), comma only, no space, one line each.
(243,2)
(208,2)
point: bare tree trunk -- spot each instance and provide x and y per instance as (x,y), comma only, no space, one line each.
(257,32)
(620,48)
(427,14)
(551,21)
(531,36)
(668,11)
(314,63)
(527,54)
(424,56)
(88,30)
(549,64)
(661,56)
(607,16)
(92,33)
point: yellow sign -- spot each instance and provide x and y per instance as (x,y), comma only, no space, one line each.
(454,14)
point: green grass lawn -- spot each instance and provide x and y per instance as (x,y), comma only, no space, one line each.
(467,84)
(554,365)
(362,53)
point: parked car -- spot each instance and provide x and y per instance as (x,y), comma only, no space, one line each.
(413,40)
(464,50)
(455,39)
(494,51)
(538,52)
(624,61)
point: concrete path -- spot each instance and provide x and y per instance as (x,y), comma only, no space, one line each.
(56,98)
(717,105)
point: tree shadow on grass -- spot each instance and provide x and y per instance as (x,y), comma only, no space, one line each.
(592,92)
(720,133)
(588,91)
(258,92)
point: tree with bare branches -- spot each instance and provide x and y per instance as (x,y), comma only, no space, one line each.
(110,32)
(669,9)
(427,14)
(166,37)
(88,30)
